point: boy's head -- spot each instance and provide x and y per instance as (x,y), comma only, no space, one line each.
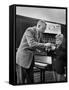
(59,39)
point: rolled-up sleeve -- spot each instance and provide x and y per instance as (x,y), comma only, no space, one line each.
(31,40)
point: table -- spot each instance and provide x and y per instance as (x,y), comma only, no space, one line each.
(41,62)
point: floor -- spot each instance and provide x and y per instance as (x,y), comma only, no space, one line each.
(48,77)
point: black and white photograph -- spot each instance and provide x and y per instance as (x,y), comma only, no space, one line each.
(38,44)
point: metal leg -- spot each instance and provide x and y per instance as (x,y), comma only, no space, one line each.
(41,75)
(44,76)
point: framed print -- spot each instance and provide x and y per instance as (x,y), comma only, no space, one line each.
(37,44)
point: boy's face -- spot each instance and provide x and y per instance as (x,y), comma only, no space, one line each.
(58,41)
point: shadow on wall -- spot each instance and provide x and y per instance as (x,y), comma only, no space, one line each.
(22,23)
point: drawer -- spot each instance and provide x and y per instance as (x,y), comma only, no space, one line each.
(43,59)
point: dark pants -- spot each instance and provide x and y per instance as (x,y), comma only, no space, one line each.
(24,76)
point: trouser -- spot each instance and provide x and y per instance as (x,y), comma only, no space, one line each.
(24,76)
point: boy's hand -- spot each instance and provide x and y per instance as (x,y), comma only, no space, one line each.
(53,47)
